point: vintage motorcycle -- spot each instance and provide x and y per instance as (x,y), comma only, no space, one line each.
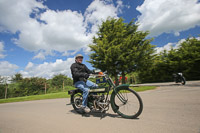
(179,78)
(124,101)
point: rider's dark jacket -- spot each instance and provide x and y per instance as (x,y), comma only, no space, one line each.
(80,72)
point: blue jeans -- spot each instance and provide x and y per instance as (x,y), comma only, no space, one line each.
(85,87)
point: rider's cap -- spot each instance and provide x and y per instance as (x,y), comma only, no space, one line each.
(79,55)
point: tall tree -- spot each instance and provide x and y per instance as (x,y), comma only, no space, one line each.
(3,83)
(120,48)
(189,53)
(17,77)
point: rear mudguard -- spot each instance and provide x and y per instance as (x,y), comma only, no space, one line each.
(71,92)
(112,98)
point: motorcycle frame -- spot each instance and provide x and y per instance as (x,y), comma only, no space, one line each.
(110,83)
(113,87)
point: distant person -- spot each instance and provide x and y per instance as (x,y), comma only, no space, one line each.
(80,75)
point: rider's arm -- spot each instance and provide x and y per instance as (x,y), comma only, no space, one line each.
(88,70)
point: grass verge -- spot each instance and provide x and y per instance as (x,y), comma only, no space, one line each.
(143,88)
(59,95)
(35,97)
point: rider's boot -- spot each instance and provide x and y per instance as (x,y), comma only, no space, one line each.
(85,109)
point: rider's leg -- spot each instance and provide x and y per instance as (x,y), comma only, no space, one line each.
(90,84)
(82,86)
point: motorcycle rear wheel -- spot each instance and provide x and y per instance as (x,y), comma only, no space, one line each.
(76,101)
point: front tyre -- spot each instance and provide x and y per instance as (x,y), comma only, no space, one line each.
(127,103)
(183,81)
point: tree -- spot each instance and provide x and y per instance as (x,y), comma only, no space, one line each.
(189,53)
(30,86)
(58,80)
(185,59)
(119,48)
(1,79)
(2,87)
(17,77)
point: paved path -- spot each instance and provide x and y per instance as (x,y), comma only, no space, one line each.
(167,109)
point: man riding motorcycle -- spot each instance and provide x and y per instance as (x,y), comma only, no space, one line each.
(80,75)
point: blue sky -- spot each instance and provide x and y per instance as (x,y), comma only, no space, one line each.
(40,38)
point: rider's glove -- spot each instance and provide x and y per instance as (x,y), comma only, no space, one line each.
(93,72)
(86,75)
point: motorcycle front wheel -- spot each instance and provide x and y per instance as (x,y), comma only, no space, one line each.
(127,103)
(183,81)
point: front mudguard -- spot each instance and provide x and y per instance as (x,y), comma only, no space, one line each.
(115,91)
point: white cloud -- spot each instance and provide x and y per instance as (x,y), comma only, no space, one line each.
(69,53)
(48,70)
(29,66)
(169,46)
(7,69)
(177,34)
(159,16)
(99,11)
(45,70)
(51,30)
(166,47)
(2,50)
(14,14)
(40,55)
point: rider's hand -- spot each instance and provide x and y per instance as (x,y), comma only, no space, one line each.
(96,71)
(93,72)
(86,75)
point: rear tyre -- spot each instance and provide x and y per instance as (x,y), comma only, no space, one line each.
(76,100)
(128,103)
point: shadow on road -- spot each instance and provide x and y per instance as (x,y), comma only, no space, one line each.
(98,114)
(193,85)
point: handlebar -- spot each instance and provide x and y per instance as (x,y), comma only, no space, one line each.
(98,75)
(104,75)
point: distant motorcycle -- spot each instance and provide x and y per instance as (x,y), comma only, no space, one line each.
(179,78)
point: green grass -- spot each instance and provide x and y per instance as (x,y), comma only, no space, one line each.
(59,95)
(36,97)
(143,88)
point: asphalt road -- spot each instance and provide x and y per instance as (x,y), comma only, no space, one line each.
(170,108)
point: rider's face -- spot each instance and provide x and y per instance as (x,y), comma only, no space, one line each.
(79,59)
